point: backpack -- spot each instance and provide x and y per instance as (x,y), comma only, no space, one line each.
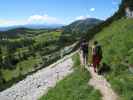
(98,50)
(84,47)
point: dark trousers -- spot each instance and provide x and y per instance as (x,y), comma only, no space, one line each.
(85,58)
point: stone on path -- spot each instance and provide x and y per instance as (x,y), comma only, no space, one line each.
(38,84)
(100,83)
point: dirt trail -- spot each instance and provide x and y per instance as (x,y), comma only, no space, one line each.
(38,84)
(100,83)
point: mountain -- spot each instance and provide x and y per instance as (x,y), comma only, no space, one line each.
(8,28)
(26,32)
(77,29)
(15,32)
(32,26)
(81,26)
(42,26)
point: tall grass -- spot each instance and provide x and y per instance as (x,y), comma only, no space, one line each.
(117,42)
(74,87)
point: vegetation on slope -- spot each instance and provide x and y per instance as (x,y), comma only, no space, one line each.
(73,87)
(23,51)
(26,52)
(78,29)
(116,16)
(117,42)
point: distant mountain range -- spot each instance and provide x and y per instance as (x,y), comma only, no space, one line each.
(72,31)
(78,29)
(81,26)
(32,26)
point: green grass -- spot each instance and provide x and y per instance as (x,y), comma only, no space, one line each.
(73,87)
(32,49)
(47,37)
(22,68)
(28,64)
(117,42)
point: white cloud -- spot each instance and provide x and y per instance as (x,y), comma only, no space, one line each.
(34,19)
(40,19)
(4,22)
(82,17)
(92,9)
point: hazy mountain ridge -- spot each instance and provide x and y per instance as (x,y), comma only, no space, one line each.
(75,28)
(78,29)
(81,25)
(32,26)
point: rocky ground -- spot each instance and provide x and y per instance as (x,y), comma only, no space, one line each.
(100,83)
(36,85)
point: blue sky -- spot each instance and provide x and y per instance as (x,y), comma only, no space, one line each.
(19,12)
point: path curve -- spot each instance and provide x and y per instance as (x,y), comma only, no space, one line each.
(38,84)
(101,84)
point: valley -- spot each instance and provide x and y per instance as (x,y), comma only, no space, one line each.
(32,54)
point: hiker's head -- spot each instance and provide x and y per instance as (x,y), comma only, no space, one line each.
(95,42)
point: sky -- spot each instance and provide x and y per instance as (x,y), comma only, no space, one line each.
(21,12)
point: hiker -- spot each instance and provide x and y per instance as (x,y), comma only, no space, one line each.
(96,55)
(84,50)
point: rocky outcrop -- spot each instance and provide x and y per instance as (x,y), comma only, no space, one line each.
(38,84)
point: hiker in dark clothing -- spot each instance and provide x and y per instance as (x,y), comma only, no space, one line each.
(96,55)
(84,49)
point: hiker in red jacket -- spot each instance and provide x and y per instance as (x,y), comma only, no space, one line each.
(96,55)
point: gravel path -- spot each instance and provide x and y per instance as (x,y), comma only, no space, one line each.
(100,83)
(38,84)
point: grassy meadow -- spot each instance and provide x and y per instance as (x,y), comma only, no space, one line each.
(117,42)
(26,53)
(74,87)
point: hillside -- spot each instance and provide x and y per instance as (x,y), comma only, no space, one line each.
(81,26)
(78,29)
(32,26)
(22,32)
(25,52)
(74,86)
(117,42)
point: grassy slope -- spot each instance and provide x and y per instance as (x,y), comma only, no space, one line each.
(28,65)
(22,68)
(117,41)
(74,87)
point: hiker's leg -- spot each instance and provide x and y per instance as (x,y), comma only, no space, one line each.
(98,63)
(87,59)
(94,64)
(84,60)
(96,69)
